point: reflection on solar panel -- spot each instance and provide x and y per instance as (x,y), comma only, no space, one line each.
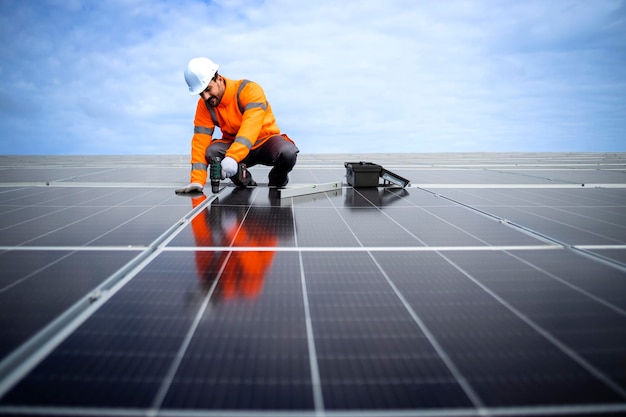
(495,284)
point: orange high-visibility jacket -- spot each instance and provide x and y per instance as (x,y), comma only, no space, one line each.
(245,118)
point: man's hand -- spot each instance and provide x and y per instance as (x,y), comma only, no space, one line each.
(192,188)
(229,167)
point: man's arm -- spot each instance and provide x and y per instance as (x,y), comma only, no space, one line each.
(202,135)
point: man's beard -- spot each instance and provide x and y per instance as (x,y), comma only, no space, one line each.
(213,101)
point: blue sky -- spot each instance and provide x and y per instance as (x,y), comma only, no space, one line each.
(106,77)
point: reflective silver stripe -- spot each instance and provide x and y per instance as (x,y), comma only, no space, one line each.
(203,130)
(199,165)
(241,86)
(213,115)
(211,110)
(256,105)
(249,105)
(244,141)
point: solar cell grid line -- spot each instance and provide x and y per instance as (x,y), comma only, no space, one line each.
(12,194)
(105,223)
(561,197)
(386,214)
(486,229)
(371,354)
(174,367)
(304,212)
(616,232)
(471,226)
(590,295)
(598,200)
(145,175)
(323,228)
(117,357)
(591,219)
(10,278)
(47,299)
(469,391)
(75,316)
(316,384)
(592,329)
(508,364)
(46,215)
(138,230)
(169,378)
(597,299)
(86,174)
(561,207)
(615,387)
(62,195)
(19,209)
(523,195)
(50,292)
(615,215)
(433,229)
(603,280)
(565,232)
(500,213)
(36,175)
(531,176)
(588,197)
(617,262)
(106,232)
(456,396)
(251,353)
(370,229)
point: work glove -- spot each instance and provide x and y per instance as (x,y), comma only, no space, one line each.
(229,167)
(194,187)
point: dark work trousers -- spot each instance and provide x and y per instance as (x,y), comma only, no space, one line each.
(276,152)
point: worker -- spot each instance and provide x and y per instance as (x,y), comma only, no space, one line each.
(249,131)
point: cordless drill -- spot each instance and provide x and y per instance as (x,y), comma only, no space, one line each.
(215,173)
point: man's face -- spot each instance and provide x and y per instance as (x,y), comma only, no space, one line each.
(214,92)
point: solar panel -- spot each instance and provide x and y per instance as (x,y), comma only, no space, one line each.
(495,284)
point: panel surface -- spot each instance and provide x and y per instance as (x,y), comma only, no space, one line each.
(37,286)
(503,357)
(370,351)
(250,348)
(493,285)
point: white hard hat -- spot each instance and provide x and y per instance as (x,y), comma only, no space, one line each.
(199,73)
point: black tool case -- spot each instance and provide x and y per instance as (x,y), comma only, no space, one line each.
(362,174)
(368,174)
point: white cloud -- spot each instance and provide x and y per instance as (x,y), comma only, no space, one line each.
(396,76)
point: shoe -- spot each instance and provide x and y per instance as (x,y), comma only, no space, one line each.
(278,184)
(248,182)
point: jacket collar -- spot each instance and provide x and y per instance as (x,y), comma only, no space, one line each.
(229,93)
